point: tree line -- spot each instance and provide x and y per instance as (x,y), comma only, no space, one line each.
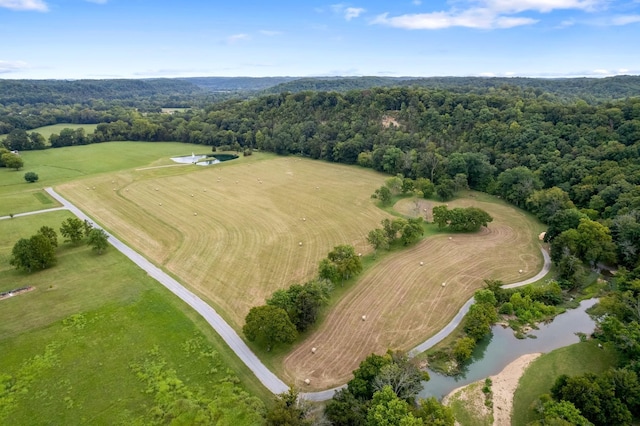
(38,252)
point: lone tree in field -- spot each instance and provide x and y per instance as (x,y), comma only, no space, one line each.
(269,324)
(31,177)
(97,239)
(341,264)
(34,253)
(12,161)
(72,229)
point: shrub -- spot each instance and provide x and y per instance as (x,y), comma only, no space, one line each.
(31,177)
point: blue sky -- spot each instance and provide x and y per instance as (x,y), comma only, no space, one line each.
(71,39)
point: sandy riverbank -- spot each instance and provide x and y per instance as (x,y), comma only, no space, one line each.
(503,387)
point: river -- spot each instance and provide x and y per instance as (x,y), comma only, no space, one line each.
(502,347)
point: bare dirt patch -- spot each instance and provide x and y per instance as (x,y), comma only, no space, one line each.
(16,292)
(405,303)
(503,387)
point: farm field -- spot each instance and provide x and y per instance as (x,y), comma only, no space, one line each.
(54,166)
(71,347)
(232,232)
(405,303)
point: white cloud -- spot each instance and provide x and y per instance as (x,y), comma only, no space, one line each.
(37,5)
(11,66)
(625,19)
(485,14)
(346,11)
(544,6)
(270,33)
(235,38)
(472,18)
(97,1)
(352,12)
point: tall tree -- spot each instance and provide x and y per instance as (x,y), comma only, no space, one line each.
(72,229)
(98,240)
(269,324)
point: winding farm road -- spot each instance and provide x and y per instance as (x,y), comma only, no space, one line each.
(268,379)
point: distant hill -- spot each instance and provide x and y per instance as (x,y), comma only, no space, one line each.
(236,84)
(177,92)
(592,89)
(80,91)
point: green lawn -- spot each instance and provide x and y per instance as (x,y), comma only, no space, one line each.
(47,131)
(77,348)
(58,165)
(539,377)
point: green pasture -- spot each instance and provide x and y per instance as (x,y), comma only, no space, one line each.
(47,131)
(58,165)
(580,358)
(73,350)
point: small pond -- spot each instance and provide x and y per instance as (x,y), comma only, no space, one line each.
(502,347)
(188,159)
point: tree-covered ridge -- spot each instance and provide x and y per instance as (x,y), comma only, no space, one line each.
(25,92)
(589,89)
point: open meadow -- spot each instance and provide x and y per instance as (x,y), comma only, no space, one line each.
(58,165)
(237,231)
(405,303)
(96,338)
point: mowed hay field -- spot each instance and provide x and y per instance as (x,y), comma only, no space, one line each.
(405,303)
(232,231)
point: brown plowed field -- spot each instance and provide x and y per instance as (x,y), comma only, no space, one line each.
(232,232)
(405,303)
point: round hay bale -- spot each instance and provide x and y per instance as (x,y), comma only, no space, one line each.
(541,236)
(304,219)
(450,238)
(444,284)
(94,187)
(421,263)
(364,318)
(359,254)
(88,187)
(307,381)
(195,214)
(192,195)
(157,189)
(313,350)
(300,243)
(113,181)
(160,203)
(520,271)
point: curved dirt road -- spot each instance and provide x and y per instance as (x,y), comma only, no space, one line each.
(268,379)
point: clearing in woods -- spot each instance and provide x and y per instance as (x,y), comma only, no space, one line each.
(405,303)
(232,232)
